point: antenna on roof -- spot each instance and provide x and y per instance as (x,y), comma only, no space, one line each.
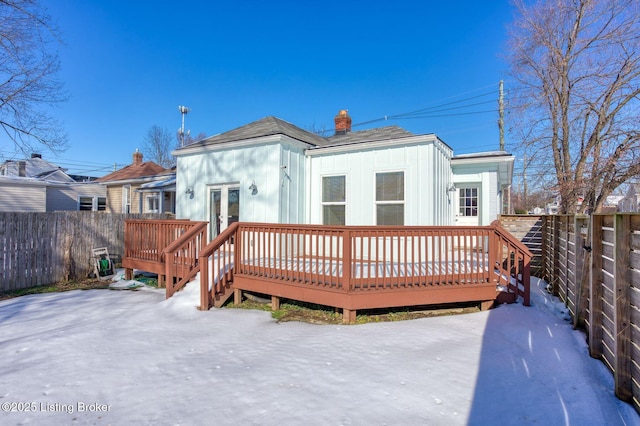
(184,111)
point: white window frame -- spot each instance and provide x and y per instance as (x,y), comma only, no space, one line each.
(389,202)
(324,203)
(463,207)
(95,202)
(126,199)
(147,199)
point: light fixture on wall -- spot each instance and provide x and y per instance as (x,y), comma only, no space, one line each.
(451,187)
(189,192)
(253,188)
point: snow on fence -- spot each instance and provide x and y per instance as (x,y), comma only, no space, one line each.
(592,263)
(45,248)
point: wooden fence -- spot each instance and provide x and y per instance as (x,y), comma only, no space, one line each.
(45,248)
(592,264)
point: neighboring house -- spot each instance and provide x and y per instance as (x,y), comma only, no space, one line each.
(36,185)
(273,171)
(631,202)
(140,187)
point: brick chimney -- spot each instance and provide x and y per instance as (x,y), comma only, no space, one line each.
(343,122)
(137,157)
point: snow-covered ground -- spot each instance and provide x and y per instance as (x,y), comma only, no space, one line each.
(130,357)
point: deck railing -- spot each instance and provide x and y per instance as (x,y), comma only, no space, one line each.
(513,261)
(181,258)
(145,241)
(217,261)
(323,264)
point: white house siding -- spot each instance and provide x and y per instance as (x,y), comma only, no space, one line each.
(62,197)
(239,165)
(483,175)
(65,196)
(292,184)
(426,175)
(23,197)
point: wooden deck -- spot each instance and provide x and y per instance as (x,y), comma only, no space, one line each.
(352,268)
(145,242)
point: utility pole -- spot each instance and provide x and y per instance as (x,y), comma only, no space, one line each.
(184,111)
(501,115)
(524,178)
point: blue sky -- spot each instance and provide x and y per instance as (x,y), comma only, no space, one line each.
(128,65)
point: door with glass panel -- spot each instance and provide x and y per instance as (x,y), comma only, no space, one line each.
(468,213)
(224,208)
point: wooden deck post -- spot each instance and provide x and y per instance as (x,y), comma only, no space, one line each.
(205,299)
(237,296)
(348,316)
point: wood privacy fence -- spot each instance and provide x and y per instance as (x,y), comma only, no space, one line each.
(45,248)
(592,264)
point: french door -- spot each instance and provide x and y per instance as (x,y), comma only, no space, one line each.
(224,207)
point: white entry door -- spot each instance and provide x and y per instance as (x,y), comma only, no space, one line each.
(224,207)
(468,202)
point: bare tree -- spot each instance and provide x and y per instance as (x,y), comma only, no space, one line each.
(188,139)
(28,83)
(157,146)
(577,100)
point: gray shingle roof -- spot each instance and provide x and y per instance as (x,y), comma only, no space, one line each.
(270,126)
(267,126)
(370,135)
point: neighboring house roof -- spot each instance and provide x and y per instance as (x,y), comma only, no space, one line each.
(35,167)
(167,184)
(267,126)
(137,170)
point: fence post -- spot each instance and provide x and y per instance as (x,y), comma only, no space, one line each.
(596,291)
(555,255)
(583,261)
(622,307)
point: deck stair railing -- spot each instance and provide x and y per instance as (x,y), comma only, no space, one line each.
(181,258)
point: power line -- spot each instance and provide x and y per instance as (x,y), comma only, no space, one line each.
(428,112)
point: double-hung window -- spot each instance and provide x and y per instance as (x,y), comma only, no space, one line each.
(334,200)
(153,203)
(390,198)
(126,199)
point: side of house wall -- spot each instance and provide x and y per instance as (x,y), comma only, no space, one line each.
(241,167)
(114,199)
(485,177)
(426,174)
(18,197)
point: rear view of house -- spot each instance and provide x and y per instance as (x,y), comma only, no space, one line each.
(273,171)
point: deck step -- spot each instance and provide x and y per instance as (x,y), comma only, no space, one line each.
(221,298)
